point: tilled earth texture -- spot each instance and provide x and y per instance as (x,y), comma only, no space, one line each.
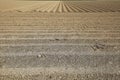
(67,41)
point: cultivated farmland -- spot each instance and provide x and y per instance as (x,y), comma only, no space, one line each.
(64,41)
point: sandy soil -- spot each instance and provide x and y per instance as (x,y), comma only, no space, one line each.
(60,46)
(62,6)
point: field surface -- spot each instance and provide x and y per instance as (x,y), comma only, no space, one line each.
(60,46)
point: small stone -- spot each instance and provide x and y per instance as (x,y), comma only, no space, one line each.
(39,56)
(118,71)
(60,77)
(110,63)
(115,47)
